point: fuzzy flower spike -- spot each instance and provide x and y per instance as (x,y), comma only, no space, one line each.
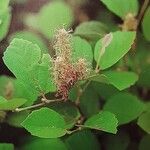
(66,72)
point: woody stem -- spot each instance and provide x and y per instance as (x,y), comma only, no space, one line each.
(44,102)
(144,6)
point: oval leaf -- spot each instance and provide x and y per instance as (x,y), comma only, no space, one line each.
(29,66)
(125,106)
(25,53)
(121,80)
(5,19)
(119,46)
(144,122)
(99,78)
(45,123)
(6,146)
(82,140)
(91,30)
(122,7)
(4,4)
(30,36)
(81,49)
(52,16)
(45,144)
(15,119)
(104,121)
(11,104)
(69,112)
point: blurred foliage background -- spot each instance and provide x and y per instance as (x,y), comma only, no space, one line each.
(37,21)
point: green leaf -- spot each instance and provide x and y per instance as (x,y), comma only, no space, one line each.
(99,78)
(6,146)
(32,37)
(144,77)
(5,18)
(141,59)
(82,140)
(25,53)
(123,7)
(146,24)
(104,90)
(121,80)
(73,93)
(144,143)
(147,106)
(13,88)
(144,121)
(91,30)
(11,104)
(52,16)
(107,17)
(89,100)
(45,144)
(119,46)
(23,91)
(29,67)
(125,106)
(104,121)
(15,119)
(81,49)
(45,123)
(31,21)
(4,4)
(68,111)
(41,75)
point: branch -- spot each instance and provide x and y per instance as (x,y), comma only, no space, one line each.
(44,102)
(75,130)
(144,6)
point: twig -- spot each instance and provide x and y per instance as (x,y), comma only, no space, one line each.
(78,125)
(44,102)
(144,6)
(75,130)
(29,107)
